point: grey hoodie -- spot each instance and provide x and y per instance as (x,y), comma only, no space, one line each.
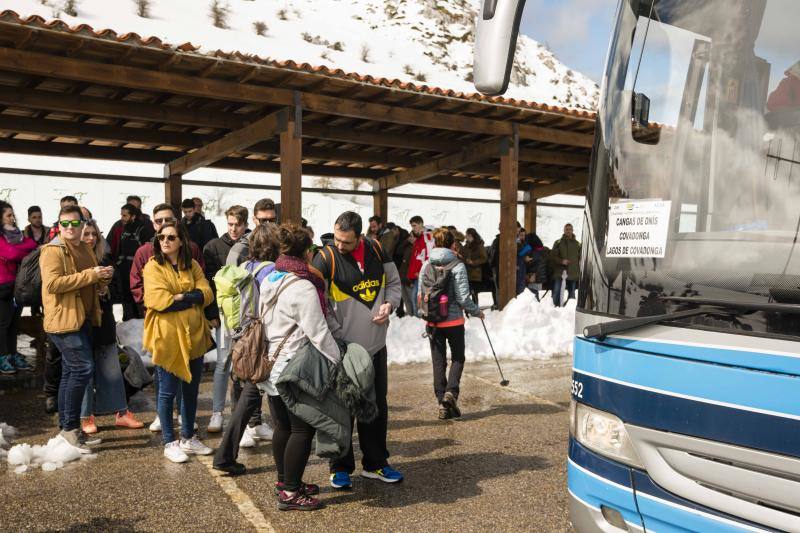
(458,292)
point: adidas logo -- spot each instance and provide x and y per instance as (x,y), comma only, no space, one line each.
(368,295)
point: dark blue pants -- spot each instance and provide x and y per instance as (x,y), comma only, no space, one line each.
(558,288)
(77,369)
(169,386)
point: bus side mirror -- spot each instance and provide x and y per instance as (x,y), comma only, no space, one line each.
(640,109)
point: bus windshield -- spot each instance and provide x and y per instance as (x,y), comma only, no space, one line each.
(695,189)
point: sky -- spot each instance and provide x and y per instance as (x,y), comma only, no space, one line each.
(577,31)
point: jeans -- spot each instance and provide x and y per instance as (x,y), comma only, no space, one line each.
(107,393)
(409,298)
(415,291)
(157,387)
(372,436)
(291,444)
(52,370)
(557,288)
(9,313)
(222,371)
(442,382)
(169,388)
(77,366)
(248,403)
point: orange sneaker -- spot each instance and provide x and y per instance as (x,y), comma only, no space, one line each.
(128,421)
(88,425)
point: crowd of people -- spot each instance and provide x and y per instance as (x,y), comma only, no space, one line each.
(276,307)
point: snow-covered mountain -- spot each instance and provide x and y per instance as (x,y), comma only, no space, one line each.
(428,42)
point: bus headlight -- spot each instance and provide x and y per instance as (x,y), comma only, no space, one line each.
(602,433)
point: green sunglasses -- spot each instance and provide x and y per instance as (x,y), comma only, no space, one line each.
(68,223)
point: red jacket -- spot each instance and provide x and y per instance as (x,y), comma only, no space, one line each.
(143,255)
(11,255)
(419,254)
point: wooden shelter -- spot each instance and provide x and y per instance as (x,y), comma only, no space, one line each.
(77,92)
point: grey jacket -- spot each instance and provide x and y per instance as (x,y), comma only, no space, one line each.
(327,396)
(239,251)
(458,292)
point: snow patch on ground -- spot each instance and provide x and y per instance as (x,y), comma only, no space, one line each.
(52,456)
(525,329)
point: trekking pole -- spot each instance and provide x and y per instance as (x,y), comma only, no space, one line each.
(503,380)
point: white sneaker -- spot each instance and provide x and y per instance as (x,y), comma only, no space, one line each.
(248,440)
(196,427)
(174,453)
(215,425)
(194,446)
(156,425)
(263,432)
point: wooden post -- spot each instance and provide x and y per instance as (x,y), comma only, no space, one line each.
(509,184)
(173,191)
(530,211)
(291,172)
(380,203)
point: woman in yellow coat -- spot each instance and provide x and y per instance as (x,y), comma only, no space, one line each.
(177,334)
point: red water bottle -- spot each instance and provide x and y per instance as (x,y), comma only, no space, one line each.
(443,301)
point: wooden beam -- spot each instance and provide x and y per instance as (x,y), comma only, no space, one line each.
(470,154)
(375,138)
(234,141)
(573,183)
(173,191)
(105,107)
(139,78)
(509,185)
(380,203)
(530,211)
(291,173)
(552,157)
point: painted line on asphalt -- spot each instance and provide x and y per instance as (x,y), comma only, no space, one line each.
(518,392)
(239,498)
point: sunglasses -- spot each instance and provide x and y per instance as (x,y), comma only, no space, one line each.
(263,221)
(170,238)
(68,223)
(164,220)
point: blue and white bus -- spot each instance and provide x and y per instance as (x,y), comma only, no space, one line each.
(685,410)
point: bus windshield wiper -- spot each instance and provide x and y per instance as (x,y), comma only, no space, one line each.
(707,306)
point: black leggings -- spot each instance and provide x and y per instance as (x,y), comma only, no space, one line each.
(8,320)
(291,444)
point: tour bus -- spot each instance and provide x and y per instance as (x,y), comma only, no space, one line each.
(685,412)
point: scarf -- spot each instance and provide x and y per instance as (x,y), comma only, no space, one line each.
(302,270)
(12,234)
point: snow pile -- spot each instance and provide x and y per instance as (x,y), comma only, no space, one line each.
(525,329)
(53,455)
(427,42)
(7,435)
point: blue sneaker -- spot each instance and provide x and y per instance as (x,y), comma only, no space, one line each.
(341,481)
(19,362)
(387,474)
(5,365)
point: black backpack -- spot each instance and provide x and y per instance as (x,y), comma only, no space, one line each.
(28,285)
(435,284)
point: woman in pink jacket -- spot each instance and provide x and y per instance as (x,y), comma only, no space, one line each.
(14,246)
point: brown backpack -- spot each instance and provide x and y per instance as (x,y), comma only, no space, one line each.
(250,359)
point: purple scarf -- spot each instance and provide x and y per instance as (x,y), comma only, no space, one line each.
(12,234)
(303,270)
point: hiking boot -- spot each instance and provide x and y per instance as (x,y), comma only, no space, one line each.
(309,489)
(19,362)
(297,502)
(86,440)
(5,365)
(194,446)
(444,413)
(51,405)
(233,469)
(215,424)
(127,421)
(263,432)
(247,438)
(88,425)
(72,438)
(387,474)
(341,481)
(155,427)
(450,402)
(173,452)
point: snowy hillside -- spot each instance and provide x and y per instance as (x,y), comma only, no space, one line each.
(428,42)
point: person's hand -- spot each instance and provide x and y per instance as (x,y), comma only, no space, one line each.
(104,273)
(383,314)
(178,297)
(481,316)
(215,323)
(565,262)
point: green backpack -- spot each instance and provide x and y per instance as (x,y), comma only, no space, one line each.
(237,295)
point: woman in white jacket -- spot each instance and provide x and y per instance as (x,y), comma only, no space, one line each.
(293,310)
